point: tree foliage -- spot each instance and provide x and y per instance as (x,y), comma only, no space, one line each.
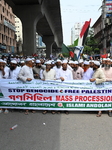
(91,45)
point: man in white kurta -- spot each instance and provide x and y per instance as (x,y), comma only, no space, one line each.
(98,77)
(4,74)
(88,72)
(77,71)
(26,73)
(65,73)
(57,67)
(107,69)
(4,70)
(14,70)
(48,73)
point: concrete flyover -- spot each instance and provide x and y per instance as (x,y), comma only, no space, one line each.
(41,16)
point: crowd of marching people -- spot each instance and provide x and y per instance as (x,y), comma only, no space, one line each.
(29,68)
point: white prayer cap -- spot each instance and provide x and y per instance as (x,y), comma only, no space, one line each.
(97,63)
(38,61)
(33,58)
(91,61)
(86,62)
(53,62)
(70,62)
(1,60)
(58,60)
(76,62)
(64,61)
(14,61)
(80,60)
(28,59)
(108,59)
(4,61)
(22,61)
(48,63)
(104,59)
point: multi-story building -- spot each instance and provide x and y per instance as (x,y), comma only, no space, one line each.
(18,26)
(7,29)
(103,29)
(98,32)
(75,32)
(19,34)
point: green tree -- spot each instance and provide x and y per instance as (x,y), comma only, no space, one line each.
(91,45)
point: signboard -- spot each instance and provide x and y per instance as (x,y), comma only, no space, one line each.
(108,8)
(2,46)
(9,25)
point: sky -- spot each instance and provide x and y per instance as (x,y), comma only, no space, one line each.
(73,11)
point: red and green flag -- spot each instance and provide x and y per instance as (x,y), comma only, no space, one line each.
(67,52)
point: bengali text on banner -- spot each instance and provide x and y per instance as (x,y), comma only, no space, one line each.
(56,95)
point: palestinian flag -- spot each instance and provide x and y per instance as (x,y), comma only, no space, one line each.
(83,33)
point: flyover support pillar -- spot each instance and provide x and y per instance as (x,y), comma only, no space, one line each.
(29,15)
(48,40)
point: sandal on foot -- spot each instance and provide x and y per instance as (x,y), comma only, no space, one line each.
(1,111)
(99,115)
(26,112)
(66,112)
(58,112)
(33,111)
(110,114)
(6,111)
(53,112)
(44,112)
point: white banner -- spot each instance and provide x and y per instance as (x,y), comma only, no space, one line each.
(56,95)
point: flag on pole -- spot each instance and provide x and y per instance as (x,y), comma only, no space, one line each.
(83,33)
(67,52)
(78,50)
(76,42)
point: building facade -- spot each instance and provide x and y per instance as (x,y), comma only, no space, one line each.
(75,32)
(19,35)
(103,29)
(7,29)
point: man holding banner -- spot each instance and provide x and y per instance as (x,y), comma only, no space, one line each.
(65,73)
(26,73)
(98,77)
(107,69)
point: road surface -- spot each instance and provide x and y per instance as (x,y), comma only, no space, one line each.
(76,131)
